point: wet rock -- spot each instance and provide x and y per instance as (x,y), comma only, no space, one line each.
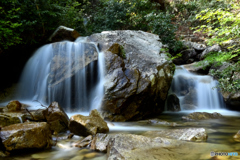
(26,135)
(90,155)
(10,118)
(100,142)
(202,116)
(70,136)
(188,134)
(2,154)
(128,146)
(185,56)
(13,106)
(56,117)
(214,48)
(202,68)
(88,125)
(236,137)
(36,115)
(173,103)
(84,143)
(64,33)
(132,90)
(158,122)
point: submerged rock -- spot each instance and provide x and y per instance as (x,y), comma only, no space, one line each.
(236,137)
(56,117)
(26,135)
(88,125)
(202,116)
(187,134)
(132,90)
(158,122)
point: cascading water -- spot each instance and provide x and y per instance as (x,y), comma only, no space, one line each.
(196,91)
(71,73)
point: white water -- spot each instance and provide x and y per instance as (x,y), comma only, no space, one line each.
(74,86)
(202,88)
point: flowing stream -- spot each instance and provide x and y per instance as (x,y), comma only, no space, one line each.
(196,92)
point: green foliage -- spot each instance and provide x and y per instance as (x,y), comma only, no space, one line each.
(9,26)
(122,52)
(133,15)
(229,78)
(160,24)
(28,22)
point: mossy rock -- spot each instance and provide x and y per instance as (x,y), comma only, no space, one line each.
(118,49)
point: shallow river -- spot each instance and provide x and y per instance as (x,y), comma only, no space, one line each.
(220,138)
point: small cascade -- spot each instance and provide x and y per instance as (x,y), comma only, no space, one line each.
(196,92)
(71,73)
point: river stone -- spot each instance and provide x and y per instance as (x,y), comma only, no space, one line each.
(187,134)
(10,118)
(135,86)
(84,142)
(202,68)
(214,48)
(202,116)
(129,146)
(194,45)
(88,125)
(64,33)
(156,121)
(173,103)
(236,137)
(56,117)
(13,106)
(26,135)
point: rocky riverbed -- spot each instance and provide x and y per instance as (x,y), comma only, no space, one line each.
(170,136)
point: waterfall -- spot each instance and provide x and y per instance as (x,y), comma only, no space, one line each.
(196,92)
(71,73)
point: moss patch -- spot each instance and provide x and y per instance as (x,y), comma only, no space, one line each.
(118,49)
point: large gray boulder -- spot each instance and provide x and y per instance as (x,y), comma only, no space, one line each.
(214,48)
(138,79)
